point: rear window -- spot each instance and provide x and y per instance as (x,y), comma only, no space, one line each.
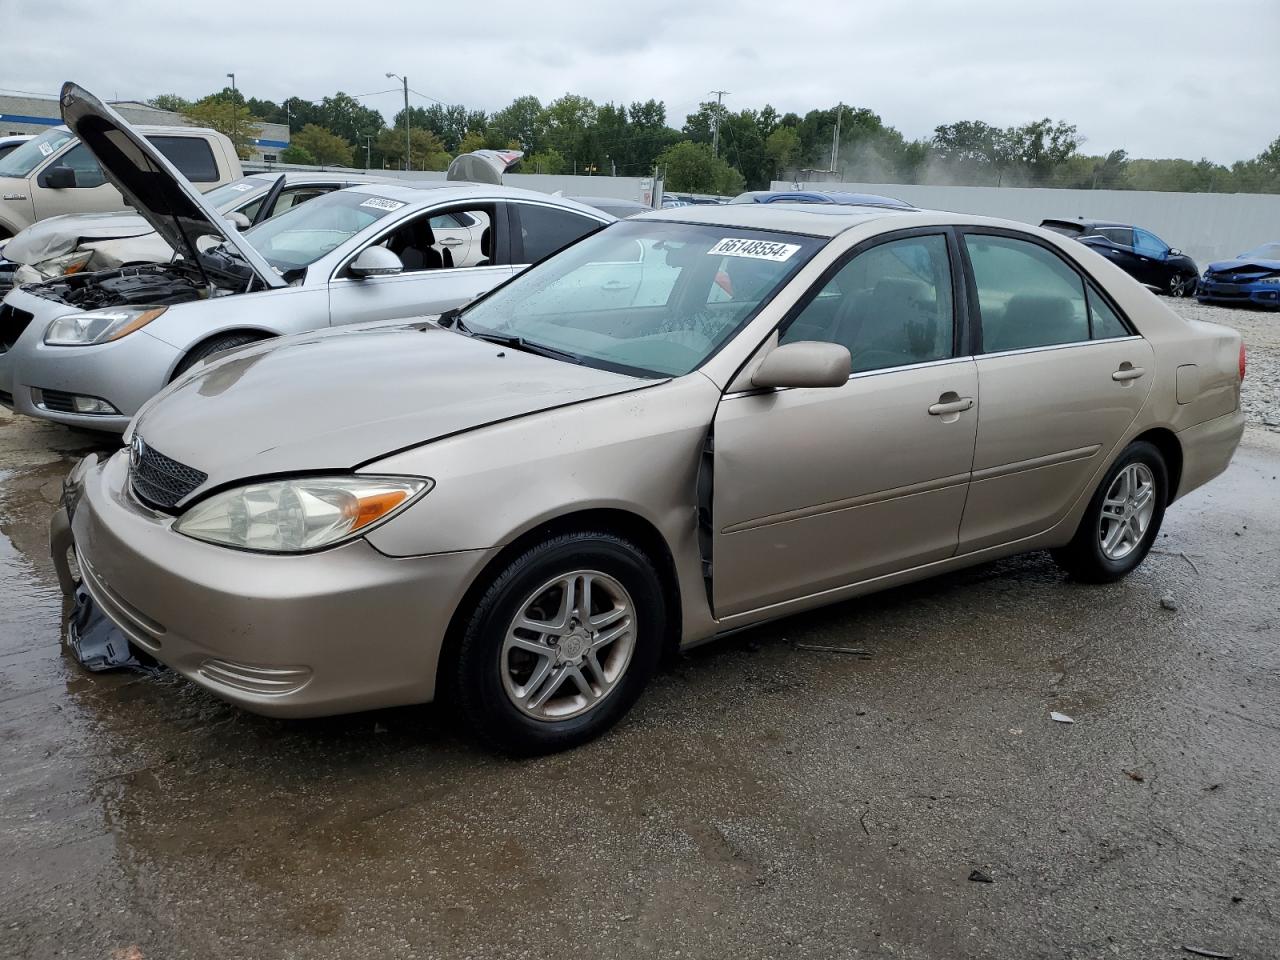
(191,155)
(544,230)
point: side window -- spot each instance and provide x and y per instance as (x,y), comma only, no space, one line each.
(890,305)
(79,159)
(1119,235)
(441,241)
(1149,245)
(292,197)
(544,230)
(1026,295)
(1104,323)
(191,155)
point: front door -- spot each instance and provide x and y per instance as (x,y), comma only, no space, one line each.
(429,283)
(1062,378)
(91,194)
(814,489)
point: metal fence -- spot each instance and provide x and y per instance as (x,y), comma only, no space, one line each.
(1205,226)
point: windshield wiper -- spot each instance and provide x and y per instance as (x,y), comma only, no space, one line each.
(520,343)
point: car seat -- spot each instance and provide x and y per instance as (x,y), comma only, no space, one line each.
(486,248)
(1033,320)
(418,250)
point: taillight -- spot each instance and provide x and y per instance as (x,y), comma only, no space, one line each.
(1242,361)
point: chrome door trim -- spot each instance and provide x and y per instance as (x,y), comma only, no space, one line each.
(859,375)
(1057,346)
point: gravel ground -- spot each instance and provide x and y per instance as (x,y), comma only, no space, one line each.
(1261,332)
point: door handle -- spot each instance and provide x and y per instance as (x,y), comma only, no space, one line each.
(451,242)
(1127,372)
(613,285)
(944,407)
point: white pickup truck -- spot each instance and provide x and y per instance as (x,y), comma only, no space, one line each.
(55,173)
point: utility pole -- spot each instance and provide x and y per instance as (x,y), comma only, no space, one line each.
(408,150)
(835,137)
(235,113)
(368,139)
(715,129)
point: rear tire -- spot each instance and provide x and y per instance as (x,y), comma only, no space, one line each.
(1122,520)
(528,691)
(217,345)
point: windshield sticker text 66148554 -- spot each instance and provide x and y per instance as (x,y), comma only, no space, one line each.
(755,249)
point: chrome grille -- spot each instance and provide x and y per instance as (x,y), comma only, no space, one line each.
(159,480)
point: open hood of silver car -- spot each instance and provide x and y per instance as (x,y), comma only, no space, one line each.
(334,400)
(483,166)
(160,194)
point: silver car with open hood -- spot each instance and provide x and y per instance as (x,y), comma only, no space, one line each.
(686,423)
(89,349)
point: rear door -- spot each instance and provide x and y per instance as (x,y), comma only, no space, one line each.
(539,230)
(426,286)
(814,488)
(1063,376)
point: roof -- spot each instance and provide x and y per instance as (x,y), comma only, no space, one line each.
(1086,224)
(442,191)
(820,196)
(815,219)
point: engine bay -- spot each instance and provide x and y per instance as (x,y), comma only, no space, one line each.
(152,285)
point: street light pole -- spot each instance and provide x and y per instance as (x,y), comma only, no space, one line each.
(408,150)
(235,113)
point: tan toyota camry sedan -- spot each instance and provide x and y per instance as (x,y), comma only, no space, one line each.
(686,423)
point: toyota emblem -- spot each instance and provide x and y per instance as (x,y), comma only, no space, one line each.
(135,452)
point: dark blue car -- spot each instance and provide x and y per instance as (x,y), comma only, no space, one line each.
(820,196)
(1251,278)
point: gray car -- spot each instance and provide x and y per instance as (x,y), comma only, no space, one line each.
(90,349)
(690,422)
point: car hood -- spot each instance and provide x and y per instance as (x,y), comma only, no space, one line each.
(1238,266)
(59,235)
(161,195)
(336,400)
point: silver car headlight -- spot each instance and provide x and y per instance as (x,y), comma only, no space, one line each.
(99,326)
(300,514)
(66,264)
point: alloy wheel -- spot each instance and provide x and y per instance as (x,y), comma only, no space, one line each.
(1127,510)
(568,646)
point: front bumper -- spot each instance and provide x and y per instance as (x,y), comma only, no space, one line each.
(337,631)
(41,381)
(1258,294)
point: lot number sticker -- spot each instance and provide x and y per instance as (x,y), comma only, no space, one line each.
(46,149)
(755,249)
(377,203)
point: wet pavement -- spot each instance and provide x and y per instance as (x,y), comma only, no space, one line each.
(761,801)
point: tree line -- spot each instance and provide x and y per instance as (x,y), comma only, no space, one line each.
(573,134)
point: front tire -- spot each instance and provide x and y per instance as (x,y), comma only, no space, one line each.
(560,645)
(1122,520)
(216,345)
(1182,285)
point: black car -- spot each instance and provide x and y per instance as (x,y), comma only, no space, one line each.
(1138,252)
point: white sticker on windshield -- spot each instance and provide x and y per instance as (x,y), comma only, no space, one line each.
(46,149)
(242,186)
(755,249)
(377,203)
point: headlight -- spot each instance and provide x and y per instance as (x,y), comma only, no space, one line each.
(1269,280)
(293,516)
(67,264)
(99,326)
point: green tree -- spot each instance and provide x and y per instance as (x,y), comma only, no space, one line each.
(326,146)
(349,118)
(568,123)
(544,161)
(228,118)
(474,140)
(692,168)
(783,148)
(428,153)
(521,121)
(170,101)
(296,154)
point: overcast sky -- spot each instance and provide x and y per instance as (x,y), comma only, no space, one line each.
(1160,78)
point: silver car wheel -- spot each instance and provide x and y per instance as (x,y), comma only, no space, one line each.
(1127,511)
(569,646)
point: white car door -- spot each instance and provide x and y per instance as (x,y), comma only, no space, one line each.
(457,234)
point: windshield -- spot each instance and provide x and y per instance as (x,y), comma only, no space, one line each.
(644,297)
(227,197)
(31,154)
(1268,251)
(303,234)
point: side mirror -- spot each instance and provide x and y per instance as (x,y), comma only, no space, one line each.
(238,220)
(375,262)
(1174,252)
(807,363)
(58,178)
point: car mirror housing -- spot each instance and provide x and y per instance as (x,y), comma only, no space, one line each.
(58,178)
(806,363)
(1173,252)
(375,262)
(238,220)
